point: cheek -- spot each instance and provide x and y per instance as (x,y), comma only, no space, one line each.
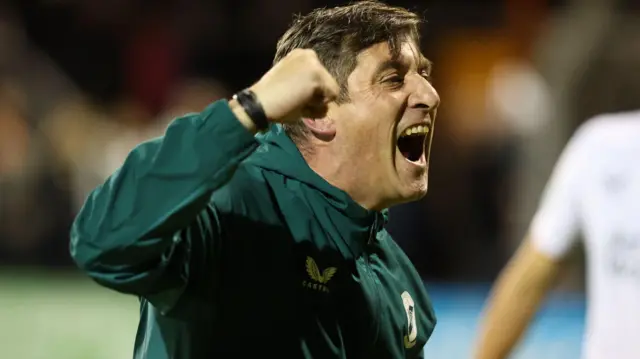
(369,145)
(372,125)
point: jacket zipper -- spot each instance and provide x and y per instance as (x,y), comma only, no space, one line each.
(373,231)
(375,324)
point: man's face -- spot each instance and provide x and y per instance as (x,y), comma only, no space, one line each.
(386,127)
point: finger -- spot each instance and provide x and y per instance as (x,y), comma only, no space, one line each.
(331,88)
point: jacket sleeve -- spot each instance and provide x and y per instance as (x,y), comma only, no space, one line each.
(149,226)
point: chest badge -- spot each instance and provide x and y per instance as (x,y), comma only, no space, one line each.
(412,327)
(319,279)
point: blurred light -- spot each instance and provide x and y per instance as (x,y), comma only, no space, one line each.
(520,96)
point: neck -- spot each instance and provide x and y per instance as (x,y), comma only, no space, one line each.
(340,175)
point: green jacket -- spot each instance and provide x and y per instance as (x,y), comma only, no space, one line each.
(236,248)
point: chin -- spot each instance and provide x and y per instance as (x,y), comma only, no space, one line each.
(412,180)
(414,191)
(418,193)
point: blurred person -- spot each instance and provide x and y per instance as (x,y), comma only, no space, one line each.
(240,245)
(31,230)
(90,141)
(15,148)
(79,133)
(14,130)
(189,95)
(594,191)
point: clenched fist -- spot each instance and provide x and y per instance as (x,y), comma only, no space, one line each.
(297,86)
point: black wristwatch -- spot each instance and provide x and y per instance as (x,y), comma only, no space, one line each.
(249,102)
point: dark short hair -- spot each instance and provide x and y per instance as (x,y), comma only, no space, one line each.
(339,34)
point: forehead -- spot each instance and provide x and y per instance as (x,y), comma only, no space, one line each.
(379,56)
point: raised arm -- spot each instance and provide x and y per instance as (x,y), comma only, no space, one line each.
(134,229)
(150,227)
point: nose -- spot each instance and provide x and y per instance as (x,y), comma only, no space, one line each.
(423,94)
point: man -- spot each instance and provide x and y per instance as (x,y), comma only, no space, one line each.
(595,190)
(243,246)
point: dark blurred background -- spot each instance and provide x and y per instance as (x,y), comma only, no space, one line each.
(82,82)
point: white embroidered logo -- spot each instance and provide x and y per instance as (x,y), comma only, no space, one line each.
(412,327)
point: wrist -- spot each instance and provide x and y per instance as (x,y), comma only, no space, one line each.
(242,116)
(253,109)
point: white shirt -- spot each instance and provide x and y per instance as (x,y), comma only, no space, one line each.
(595,191)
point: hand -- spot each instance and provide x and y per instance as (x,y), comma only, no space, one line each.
(297,86)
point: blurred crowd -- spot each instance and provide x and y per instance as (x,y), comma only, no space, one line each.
(83,82)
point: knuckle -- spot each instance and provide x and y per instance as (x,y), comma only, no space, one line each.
(310,54)
(304,55)
(297,52)
(297,55)
(311,58)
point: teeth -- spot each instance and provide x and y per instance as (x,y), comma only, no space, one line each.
(416,130)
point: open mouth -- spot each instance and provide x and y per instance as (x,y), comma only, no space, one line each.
(411,142)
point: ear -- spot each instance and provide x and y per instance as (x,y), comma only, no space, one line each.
(322,128)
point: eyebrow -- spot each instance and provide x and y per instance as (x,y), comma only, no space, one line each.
(425,64)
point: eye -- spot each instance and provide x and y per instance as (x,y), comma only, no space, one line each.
(394,80)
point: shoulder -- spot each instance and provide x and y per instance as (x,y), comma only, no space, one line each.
(601,136)
(605,140)
(610,129)
(247,191)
